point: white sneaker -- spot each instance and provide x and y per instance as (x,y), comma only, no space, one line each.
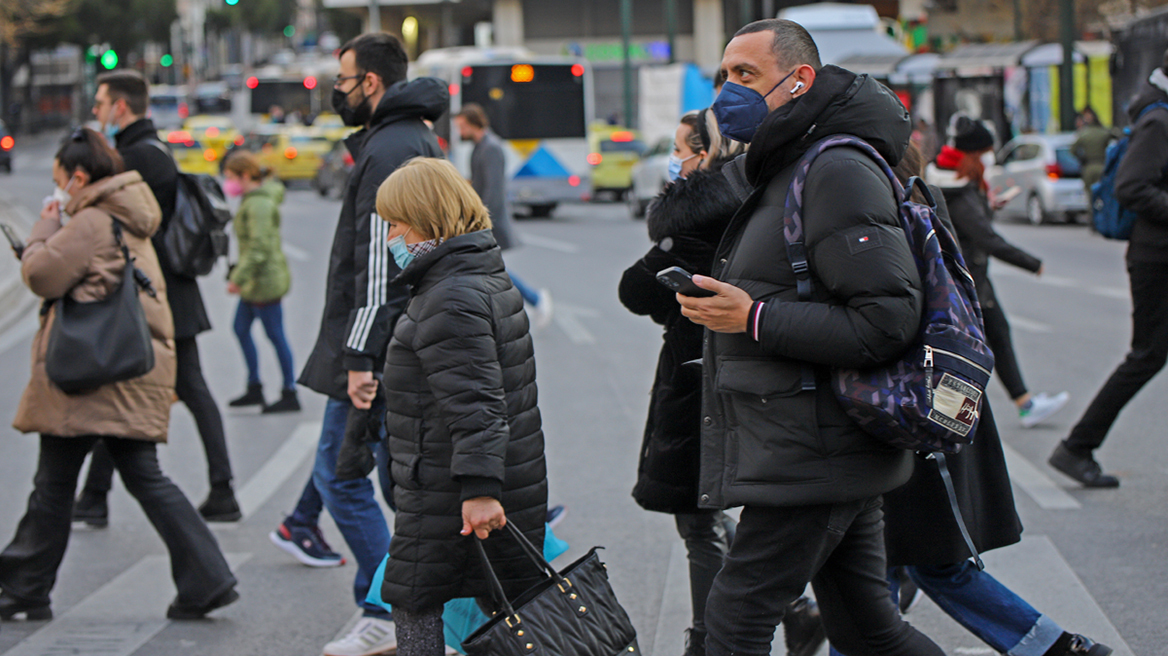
(451,651)
(1041,408)
(541,314)
(370,637)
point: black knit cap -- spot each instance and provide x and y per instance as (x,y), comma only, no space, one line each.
(971,136)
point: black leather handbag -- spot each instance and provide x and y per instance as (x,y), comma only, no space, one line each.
(101,342)
(571,613)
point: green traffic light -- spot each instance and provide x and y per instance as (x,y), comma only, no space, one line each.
(166,61)
(232,2)
(109,60)
(289,31)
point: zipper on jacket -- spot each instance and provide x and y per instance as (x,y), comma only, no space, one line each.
(929,374)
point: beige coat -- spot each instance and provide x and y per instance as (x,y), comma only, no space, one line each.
(82,259)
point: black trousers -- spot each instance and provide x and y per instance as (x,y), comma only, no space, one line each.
(997,329)
(1149,352)
(193,391)
(28,565)
(839,548)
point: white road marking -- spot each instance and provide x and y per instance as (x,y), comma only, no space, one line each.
(1037,485)
(296,253)
(548,243)
(567,317)
(1120,293)
(1029,325)
(283,463)
(118,618)
(20,331)
(1038,573)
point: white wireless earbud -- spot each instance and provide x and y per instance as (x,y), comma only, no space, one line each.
(798,85)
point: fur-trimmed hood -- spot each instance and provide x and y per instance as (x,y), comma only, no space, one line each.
(699,205)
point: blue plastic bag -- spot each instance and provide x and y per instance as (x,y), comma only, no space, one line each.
(461,617)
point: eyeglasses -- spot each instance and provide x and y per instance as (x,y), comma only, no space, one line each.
(341,78)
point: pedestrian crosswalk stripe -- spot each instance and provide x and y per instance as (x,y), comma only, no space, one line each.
(283,463)
(118,618)
(1035,484)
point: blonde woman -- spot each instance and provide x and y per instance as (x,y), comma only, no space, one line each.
(465,442)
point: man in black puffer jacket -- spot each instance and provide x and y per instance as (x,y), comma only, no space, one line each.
(774,438)
(1141,184)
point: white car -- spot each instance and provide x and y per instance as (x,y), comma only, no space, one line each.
(1042,166)
(650,175)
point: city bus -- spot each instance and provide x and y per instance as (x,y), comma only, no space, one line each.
(539,106)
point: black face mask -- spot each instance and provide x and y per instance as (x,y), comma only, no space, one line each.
(351,116)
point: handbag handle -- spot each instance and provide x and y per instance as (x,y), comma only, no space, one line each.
(143,281)
(500,597)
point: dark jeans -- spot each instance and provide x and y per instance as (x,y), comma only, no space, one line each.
(839,548)
(706,544)
(998,335)
(271,316)
(28,565)
(192,390)
(1149,351)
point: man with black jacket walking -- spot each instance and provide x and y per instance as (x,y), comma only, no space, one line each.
(120,105)
(361,307)
(1141,185)
(774,438)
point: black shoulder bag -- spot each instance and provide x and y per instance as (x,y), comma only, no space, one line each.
(570,613)
(102,342)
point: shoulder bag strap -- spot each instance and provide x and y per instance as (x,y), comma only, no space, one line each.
(947,479)
(143,281)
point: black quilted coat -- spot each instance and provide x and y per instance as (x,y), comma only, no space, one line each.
(463,422)
(685,222)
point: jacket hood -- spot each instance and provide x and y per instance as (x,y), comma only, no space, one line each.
(126,198)
(700,205)
(839,102)
(271,189)
(425,98)
(1151,93)
(474,252)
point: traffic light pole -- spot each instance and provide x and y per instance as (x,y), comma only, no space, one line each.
(626,9)
(1067,70)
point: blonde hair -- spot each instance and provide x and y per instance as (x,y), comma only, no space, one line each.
(721,148)
(428,195)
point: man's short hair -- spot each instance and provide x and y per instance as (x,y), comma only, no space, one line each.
(379,53)
(473,114)
(129,86)
(792,44)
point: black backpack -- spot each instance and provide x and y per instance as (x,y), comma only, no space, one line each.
(196,235)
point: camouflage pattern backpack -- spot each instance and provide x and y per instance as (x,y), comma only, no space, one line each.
(929,399)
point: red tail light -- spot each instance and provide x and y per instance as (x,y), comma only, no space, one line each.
(348,159)
(290,152)
(210,155)
(1054,171)
(594,159)
(7,143)
(574,180)
(183,110)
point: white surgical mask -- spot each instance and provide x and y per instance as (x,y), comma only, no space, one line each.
(63,197)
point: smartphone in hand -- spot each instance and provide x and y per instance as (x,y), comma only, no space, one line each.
(14,241)
(681,281)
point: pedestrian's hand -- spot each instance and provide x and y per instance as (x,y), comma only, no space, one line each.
(482,515)
(51,211)
(233,289)
(362,389)
(725,313)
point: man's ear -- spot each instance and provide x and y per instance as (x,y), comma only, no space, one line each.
(374,81)
(804,77)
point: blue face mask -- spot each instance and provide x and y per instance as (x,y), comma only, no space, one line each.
(740,110)
(401,253)
(675,163)
(111,130)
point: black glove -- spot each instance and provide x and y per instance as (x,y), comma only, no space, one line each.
(362,430)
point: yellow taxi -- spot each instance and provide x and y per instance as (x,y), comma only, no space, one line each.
(332,126)
(291,153)
(190,155)
(613,151)
(218,132)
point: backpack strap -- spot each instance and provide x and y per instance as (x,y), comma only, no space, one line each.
(793,217)
(947,480)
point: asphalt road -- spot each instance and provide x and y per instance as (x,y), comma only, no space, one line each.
(1092,560)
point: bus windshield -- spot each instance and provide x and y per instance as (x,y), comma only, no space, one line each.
(549,106)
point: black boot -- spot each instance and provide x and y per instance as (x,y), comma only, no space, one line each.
(1073,644)
(287,403)
(91,508)
(253,396)
(220,505)
(803,628)
(11,606)
(1082,468)
(695,643)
